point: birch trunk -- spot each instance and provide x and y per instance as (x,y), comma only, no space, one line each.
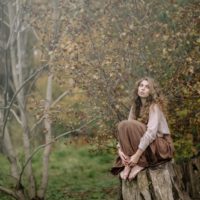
(10,153)
(48,138)
(47,120)
(6,141)
(18,66)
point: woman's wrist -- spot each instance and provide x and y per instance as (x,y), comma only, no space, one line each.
(139,152)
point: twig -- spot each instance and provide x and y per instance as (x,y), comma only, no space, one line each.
(16,117)
(59,98)
(38,122)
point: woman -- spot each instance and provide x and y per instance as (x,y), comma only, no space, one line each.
(144,139)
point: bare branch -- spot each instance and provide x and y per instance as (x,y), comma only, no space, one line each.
(59,98)
(38,122)
(16,117)
(8,192)
(4,22)
(4,108)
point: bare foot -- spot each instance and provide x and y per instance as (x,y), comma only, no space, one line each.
(124,174)
(134,171)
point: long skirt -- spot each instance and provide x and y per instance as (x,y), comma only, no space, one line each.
(129,134)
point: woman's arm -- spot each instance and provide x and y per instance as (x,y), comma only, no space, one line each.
(125,158)
(135,157)
(152,127)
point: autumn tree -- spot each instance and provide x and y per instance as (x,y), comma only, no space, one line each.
(20,75)
(99,48)
(109,45)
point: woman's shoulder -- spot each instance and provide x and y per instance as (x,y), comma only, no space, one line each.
(155,107)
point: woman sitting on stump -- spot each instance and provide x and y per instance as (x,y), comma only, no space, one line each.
(144,139)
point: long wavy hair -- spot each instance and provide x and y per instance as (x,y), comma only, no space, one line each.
(155,97)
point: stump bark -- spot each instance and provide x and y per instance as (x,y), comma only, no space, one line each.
(163,182)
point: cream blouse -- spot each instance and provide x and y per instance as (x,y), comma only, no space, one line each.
(157,126)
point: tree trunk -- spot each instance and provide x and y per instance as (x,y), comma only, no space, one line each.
(48,138)
(47,121)
(18,64)
(160,183)
(10,153)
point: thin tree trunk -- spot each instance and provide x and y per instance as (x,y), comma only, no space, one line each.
(47,120)
(11,155)
(48,139)
(9,151)
(8,148)
(23,115)
(18,66)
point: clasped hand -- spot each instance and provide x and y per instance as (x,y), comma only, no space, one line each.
(133,160)
(126,160)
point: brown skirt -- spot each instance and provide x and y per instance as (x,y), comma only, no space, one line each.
(129,134)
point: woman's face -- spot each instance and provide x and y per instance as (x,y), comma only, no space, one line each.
(143,89)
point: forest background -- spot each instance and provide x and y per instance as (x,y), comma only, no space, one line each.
(67,73)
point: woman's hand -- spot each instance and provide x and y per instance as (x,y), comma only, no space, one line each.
(133,160)
(135,157)
(125,158)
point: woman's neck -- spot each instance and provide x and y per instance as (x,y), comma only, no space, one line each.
(143,100)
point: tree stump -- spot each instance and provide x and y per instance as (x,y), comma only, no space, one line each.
(160,183)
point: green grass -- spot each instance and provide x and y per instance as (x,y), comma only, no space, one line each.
(75,173)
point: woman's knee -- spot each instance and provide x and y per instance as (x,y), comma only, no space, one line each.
(121,124)
(128,123)
(125,123)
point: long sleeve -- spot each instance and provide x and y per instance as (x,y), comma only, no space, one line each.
(152,127)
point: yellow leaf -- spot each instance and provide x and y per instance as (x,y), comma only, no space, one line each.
(182,113)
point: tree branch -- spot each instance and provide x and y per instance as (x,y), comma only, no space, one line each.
(8,192)
(4,108)
(59,98)
(16,117)
(38,122)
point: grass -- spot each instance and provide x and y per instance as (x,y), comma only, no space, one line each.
(75,173)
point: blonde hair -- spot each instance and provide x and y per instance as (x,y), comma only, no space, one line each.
(155,97)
